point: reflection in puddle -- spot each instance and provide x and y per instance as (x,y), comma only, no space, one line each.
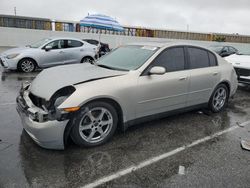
(11,75)
(67,168)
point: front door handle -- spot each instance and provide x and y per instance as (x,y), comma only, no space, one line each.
(215,73)
(183,78)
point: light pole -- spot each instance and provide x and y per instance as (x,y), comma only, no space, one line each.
(187,31)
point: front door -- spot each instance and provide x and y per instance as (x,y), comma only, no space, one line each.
(161,93)
(55,56)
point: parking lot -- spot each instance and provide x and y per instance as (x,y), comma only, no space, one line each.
(193,149)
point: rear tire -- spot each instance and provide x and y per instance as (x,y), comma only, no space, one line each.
(94,125)
(219,99)
(26,65)
(87,60)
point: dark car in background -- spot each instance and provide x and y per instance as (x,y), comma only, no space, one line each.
(104,47)
(224,51)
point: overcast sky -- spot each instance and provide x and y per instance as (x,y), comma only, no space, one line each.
(227,16)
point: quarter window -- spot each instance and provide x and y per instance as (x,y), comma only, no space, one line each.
(198,58)
(212,59)
(172,59)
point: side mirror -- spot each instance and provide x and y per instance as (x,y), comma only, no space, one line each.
(157,70)
(48,48)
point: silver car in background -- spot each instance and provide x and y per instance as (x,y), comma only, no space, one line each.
(132,84)
(47,53)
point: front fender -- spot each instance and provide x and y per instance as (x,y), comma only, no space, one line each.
(74,101)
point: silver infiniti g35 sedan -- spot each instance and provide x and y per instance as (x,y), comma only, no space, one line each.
(47,53)
(134,83)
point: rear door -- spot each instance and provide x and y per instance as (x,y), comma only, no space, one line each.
(161,93)
(204,75)
(74,51)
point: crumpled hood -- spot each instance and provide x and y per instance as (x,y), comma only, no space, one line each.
(14,51)
(50,80)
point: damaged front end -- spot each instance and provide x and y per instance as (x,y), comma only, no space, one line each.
(41,119)
(40,110)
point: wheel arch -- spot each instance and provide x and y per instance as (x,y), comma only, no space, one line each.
(115,104)
(227,84)
(27,58)
(87,56)
(108,100)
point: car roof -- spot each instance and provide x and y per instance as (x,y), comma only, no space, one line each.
(64,38)
(166,44)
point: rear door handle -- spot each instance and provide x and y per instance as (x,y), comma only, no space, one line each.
(182,78)
(61,52)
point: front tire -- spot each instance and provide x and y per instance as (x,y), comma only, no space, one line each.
(94,125)
(26,65)
(219,98)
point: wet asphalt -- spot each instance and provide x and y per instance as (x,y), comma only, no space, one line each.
(219,162)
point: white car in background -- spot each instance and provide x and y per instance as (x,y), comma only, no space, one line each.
(47,53)
(241,64)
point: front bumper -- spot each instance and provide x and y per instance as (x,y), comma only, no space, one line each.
(10,64)
(47,134)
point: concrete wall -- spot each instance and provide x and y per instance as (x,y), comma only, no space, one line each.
(12,37)
(21,37)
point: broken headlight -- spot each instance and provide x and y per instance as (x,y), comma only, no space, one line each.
(60,96)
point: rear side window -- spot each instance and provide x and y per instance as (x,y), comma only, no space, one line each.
(172,59)
(74,44)
(212,59)
(198,58)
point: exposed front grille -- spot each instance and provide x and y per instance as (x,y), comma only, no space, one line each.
(244,80)
(242,72)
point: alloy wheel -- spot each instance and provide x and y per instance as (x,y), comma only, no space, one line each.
(219,98)
(27,66)
(96,124)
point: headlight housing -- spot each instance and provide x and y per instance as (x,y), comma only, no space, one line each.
(60,96)
(11,56)
(60,100)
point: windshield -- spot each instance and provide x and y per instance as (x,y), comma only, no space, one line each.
(216,49)
(127,57)
(39,43)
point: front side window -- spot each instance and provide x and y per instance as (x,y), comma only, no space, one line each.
(74,44)
(198,58)
(172,59)
(57,44)
(129,57)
